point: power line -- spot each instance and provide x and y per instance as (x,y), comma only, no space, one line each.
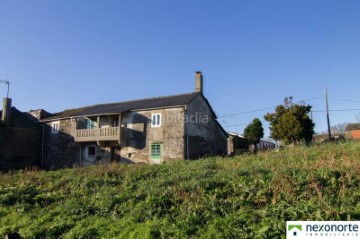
(246,112)
(348,100)
(233,125)
(314,98)
(262,109)
(228,126)
(337,110)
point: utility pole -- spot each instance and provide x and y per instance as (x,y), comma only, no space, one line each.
(327,113)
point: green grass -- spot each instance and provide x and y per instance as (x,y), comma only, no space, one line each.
(242,197)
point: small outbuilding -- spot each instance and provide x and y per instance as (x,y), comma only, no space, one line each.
(352,131)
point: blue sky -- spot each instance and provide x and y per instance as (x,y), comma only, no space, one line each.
(63,54)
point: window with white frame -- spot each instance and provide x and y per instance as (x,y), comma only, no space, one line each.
(55,127)
(155,120)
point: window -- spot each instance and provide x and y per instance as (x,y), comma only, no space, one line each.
(89,124)
(155,151)
(91,151)
(55,127)
(155,120)
(80,123)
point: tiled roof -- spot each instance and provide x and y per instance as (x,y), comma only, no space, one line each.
(20,119)
(114,108)
(65,114)
(353,126)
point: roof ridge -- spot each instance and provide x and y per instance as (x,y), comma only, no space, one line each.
(129,101)
(79,108)
(129,104)
(149,98)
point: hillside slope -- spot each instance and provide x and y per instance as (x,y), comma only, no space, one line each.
(241,197)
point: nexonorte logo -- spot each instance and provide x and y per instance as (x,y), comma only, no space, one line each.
(333,228)
(322,229)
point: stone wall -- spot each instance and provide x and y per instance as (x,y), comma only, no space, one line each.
(221,140)
(237,145)
(204,135)
(138,135)
(19,147)
(60,149)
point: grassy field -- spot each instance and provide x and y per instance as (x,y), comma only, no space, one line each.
(241,197)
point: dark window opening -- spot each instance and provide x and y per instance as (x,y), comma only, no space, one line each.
(91,151)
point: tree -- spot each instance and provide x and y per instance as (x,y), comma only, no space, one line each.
(254,132)
(336,129)
(291,123)
(339,128)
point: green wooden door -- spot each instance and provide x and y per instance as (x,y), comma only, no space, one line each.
(155,153)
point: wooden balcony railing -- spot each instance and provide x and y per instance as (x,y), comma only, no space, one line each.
(102,134)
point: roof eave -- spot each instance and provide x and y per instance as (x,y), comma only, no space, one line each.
(107,114)
(159,108)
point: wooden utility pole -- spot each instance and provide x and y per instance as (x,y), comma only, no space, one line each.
(327,113)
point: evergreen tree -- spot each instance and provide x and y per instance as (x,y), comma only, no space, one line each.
(291,123)
(254,132)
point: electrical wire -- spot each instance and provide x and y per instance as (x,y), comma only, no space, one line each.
(337,110)
(267,108)
(348,100)
(228,126)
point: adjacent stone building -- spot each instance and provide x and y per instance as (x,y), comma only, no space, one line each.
(238,144)
(20,139)
(152,130)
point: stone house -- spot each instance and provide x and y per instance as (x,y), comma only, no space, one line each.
(152,130)
(20,139)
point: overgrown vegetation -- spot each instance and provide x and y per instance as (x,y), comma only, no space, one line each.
(242,197)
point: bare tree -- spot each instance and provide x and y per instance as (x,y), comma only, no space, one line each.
(339,128)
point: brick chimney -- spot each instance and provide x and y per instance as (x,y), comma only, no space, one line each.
(198,81)
(6,110)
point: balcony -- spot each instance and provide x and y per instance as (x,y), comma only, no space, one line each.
(102,134)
